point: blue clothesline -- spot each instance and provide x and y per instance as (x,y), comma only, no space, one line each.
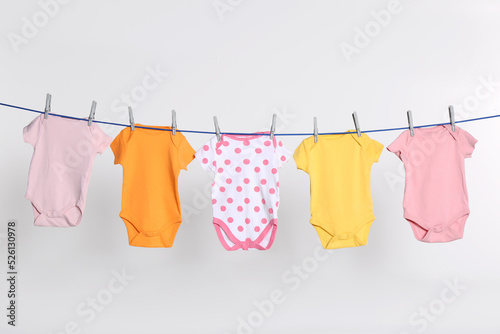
(243,133)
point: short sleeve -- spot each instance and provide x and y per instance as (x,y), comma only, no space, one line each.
(100,139)
(301,157)
(118,147)
(185,152)
(282,153)
(206,155)
(467,143)
(32,130)
(398,146)
(373,149)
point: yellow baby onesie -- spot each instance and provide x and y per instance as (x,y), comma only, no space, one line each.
(339,167)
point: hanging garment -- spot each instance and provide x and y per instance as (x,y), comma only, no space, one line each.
(245,191)
(151,161)
(435,202)
(64,151)
(339,167)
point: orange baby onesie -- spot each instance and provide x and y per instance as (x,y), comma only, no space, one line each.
(151,161)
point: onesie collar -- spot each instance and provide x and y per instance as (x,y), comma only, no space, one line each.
(455,133)
(354,135)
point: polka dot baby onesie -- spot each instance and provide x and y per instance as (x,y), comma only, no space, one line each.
(245,191)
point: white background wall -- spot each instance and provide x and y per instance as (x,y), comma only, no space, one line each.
(242,63)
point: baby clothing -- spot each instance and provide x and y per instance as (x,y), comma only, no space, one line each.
(339,167)
(64,151)
(435,201)
(152,161)
(245,191)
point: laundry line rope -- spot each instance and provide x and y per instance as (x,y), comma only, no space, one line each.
(247,133)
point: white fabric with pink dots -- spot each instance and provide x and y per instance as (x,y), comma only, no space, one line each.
(245,191)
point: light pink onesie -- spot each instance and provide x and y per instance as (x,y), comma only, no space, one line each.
(64,151)
(436,201)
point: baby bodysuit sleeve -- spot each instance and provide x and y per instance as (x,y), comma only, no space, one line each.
(467,143)
(373,149)
(398,146)
(206,155)
(100,140)
(32,130)
(282,153)
(118,147)
(185,153)
(301,157)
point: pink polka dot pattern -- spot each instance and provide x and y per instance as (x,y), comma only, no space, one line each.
(245,193)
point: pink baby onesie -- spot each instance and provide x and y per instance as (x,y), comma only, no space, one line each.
(64,151)
(435,201)
(245,191)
